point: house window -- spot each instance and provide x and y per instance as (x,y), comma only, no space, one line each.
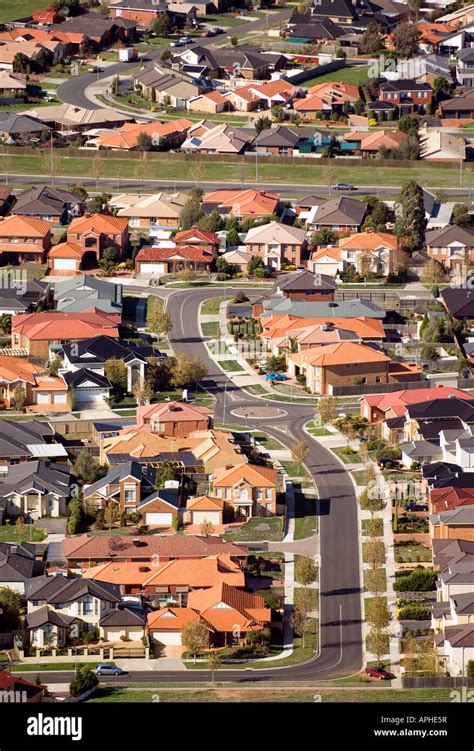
(87,605)
(268,493)
(130,493)
(259,494)
(378,379)
(228,494)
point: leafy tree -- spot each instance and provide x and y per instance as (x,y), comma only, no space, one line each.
(371,500)
(75,515)
(206,528)
(232,237)
(408,122)
(19,397)
(191,213)
(300,620)
(306,571)
(71,398)
(144,141)
(223,267)
(441,87)
(374,553)
(143,392)
(411,223)
(371,41)
(116,371)
(378,613)
(195,637)
(432,272)
(161,26)
(234,41)
(470,669)
(187,371)
(300,451)
(84,680)
(107,262)
(10,609)
(6,323)
(377,642)
(461,215)
(256,262)
(87,469)
(405,38)
(165,472)
(262,123)
(211,222)
(324,237)
(158,320)
(376,581)
(327,409)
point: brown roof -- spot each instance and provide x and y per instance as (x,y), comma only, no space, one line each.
(87,547)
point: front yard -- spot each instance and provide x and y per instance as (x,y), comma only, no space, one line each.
(258,529)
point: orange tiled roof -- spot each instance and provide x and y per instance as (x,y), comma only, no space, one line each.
(365,328)
(172,412)
(50,383)
(244,609)
(344,353)
(249,201)
(100,223)
(17,368)
(69,249)
(24,226)
(171,619)
(185,236)
(251,473)
(205,503)
(369,240)
(347,91)
(126,137)
(54,325)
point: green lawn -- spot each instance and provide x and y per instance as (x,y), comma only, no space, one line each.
(359,476)
(212,305)
(357,74)
(259,528)
(169,168)
(40,667)
(211,329)
(11,534)
(294,469)
(412,553)
(19,9)
(306,520)
(348,458)
(318,432)
(256,389)
(271,695)
(266,441)
(231,365)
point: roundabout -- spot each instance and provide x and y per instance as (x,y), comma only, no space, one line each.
(259,413)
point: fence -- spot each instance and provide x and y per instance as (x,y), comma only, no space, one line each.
(431,681)
(382,388)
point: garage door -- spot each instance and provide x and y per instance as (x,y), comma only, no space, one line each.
(163,519)
(89,395)
(113,634)
(206,516)
(42,398)
(59,399)
(65,264)
(166,637)
(152,268)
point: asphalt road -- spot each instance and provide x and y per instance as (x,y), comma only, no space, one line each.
(289,189)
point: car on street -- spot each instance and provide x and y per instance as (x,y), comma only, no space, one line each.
(276,377)
(389,464)
(416,506)
(105,669)
(185,40)
(344,186)
(377,671)
(177,43)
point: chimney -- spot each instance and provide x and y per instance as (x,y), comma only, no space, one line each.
(136,541)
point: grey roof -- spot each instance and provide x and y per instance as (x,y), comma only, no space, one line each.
(305,280)
(460,636)
(115,475)
(99,349)
(45,615)
(463,603)
(124,616)
(170,496)
(14,124)
(452,233)
(60,589)
(405,84)
(341,210)
(43,476)
(278,135)
(309,309)
(451,552)
(77,378)
(459,302)
(443,410)
(83,292)
(17,561)
(44,200)
(420,449)
(21,296)
(18,439)
(322,28)
(463,515)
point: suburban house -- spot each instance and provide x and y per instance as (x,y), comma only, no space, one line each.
(85,292)
(82,551)
(49,204)
(250,490)
(27,440)
(11,685)
(17,564)
(36,489)
(455,646)
(326,260)
(346,364)
(174,419)
(451,246)
(342,215)
(87,388)
(451,525)
(304,285)
(158,260)
(266,307)
(168,135)
(87,238)
(459,108)
(242,61)
(41,335)
(198,238)
(93,352)
(49,395)
(24,238)
(228,612)
(378,246)
(61,608)
(16,373)
(243,204)
(407,94)
(125,485)
(221,139)
(157,214)
(277,244)
(368,144)
(437,145)
(20,128)
(164,84)
(69,119)
(378,407)
(281,140)
(210,102)
(459,302)
(204,509)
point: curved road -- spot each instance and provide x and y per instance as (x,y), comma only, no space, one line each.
(340,588)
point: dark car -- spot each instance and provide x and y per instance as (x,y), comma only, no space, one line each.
(377,671)
(416,506)
(344,186)
(389,464)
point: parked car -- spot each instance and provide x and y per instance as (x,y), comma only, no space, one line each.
(344,186)
(389,464)
(377,671)
(276,377)
(217,30)
(105,669)
(177,43)
(185,40)
(416,506)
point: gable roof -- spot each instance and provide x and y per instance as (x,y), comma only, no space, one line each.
(342,210)
(51,325)
(343,353)
(250,473)
(98,223)
(369,240)
(146,547)
(459,302)
(275,232)
(24,226)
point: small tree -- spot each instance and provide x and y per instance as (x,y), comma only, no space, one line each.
(20,526)
(159,321)
(327,409)
(84,680)
(377,642)
(300,619)
(143,392)
(116,372)
(370,500)
(374,553)
(306,571)
(378,613)
(213,663)
(195,637)
(432,272)
(207,528)
(19,398)
(300,452)
(187,371)
(376,581)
